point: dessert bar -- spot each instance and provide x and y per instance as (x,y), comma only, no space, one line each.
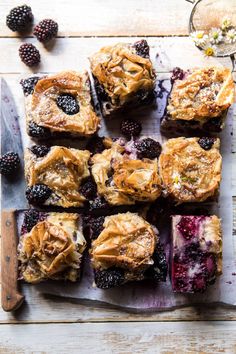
(196,252)
(190,169)
(198,101)
(124,76)
(59,105)
(125,248)
(50,247)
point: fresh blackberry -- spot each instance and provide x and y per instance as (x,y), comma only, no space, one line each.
(29,84)
(46,30)
(93,226)
(142,48)
(31,218)
(37,131)
(98,203)
(38,193)
(40,150)
(67,103)
(148,148)
(29,54)
(19,18)
(89,189)
(130,127)
(109,278)
(95,145)
(177,74)
(206,142)
(158,271)
(9,163)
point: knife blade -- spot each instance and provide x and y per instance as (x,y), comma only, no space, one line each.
(12,199)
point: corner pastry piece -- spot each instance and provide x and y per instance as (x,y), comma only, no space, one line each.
(127,249)
(50,247)
(198,101)
(59,105)
(197,252)
(123,75)
(190,169)
(126,172)
(55,175)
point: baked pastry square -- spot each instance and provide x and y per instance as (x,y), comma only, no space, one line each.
(190,169)
(127,249)
(124,76)
(196,252)
(59,105)
(198,101)
(55,175)
(51,246)
(123,175)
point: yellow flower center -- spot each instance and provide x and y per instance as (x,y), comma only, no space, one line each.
(209,52)
(199,35)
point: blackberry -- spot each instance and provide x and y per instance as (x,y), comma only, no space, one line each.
(93,226)
(46,30)
(37,131)
(109,278)
(31,218)
(89,189)
(148,148)
(142,48)
(38,193)
(177,74)
(67,103)
(19,18)
(206,142)
(130,127)
(9,163)
(158,271)
(98,203)
(95,145)
(29,54)
(29,84)
(40,150)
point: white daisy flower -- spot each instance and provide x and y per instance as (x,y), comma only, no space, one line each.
(215,35)
(199,38)
(210,51)
(231,36)
(226,23)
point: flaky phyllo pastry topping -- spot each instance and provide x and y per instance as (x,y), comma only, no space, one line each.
(63,170)
(127,241)
(43,110)
(201,94)
(122,180)
(52,249)
(122,72)
(190,173)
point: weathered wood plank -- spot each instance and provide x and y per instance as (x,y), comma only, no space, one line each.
(106,18)
(178,337)
(72,53)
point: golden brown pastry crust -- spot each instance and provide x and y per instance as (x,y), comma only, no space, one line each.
(127,241)
(49,250)
(42,108)
(188,172)
(204,93)
(122,72)
(132,180)
(63,170)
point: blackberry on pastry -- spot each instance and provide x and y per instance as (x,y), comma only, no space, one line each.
(196,252)
(123,75)
(61,105)
(51,247)
(198,101)
(127,249)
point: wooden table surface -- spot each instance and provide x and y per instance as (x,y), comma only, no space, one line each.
(52,325)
